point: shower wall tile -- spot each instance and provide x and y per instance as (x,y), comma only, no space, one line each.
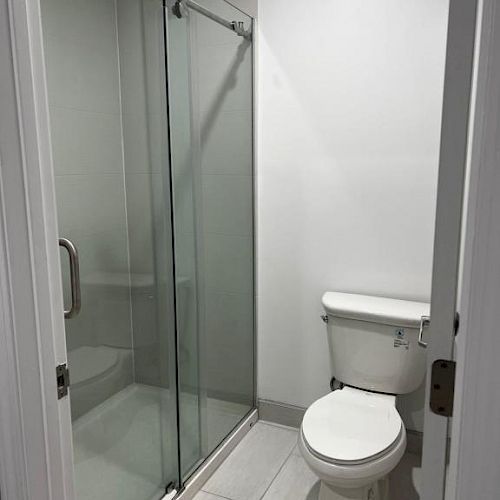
(138,183)
(105,314)
(221,69)
(184,202)
(213,34)
(91,204)
(82,20)
(229,346)
(82,74)
(226,73)
(109,305)
(185,245)
(250,7)
(140,223)
(147,356)
(144,136)
(229,263)
(136,143)
(130,32)
(85,142)
(133,83)
(104,254)
(227,144)
(227,204)
(86,131)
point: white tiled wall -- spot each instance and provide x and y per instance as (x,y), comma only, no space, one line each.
(247,6)
(349,122)
(145,138)
(222,69)
(84,97)
(184,187)
(138,170)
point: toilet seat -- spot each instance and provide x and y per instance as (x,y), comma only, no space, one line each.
(354,475)
(352,427)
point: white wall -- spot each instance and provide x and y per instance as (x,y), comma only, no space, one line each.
(349,120)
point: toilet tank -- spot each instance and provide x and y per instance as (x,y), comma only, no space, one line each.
(373,341)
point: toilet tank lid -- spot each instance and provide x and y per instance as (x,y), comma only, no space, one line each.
(375,309)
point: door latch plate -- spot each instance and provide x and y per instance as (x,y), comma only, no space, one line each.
(62,378)
(442,387)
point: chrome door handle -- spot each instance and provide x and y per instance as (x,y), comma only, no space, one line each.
(74,272)
(424,322)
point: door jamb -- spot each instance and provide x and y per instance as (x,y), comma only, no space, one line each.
(475,440)
(35,427)
(455,133)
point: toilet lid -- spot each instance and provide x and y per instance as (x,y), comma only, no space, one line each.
(351,425)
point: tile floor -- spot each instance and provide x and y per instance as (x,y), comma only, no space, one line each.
(267,465)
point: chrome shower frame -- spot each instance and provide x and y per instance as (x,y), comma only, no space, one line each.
(178,9)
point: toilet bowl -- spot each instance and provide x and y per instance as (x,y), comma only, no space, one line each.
(352,439)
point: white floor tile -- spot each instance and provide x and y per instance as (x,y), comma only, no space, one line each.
(203,495)
(400,480)
(295,480)
(252,466)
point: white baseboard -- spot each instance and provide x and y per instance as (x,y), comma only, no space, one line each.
(280,413)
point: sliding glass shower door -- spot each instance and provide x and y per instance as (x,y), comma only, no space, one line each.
(210,103)
(105,64)
(153,179)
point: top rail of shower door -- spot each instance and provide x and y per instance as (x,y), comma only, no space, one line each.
(236,26)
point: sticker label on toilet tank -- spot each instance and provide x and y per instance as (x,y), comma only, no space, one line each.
(400,341)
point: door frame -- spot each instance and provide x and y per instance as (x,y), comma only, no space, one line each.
(475,440)
(35,427)
(453,155)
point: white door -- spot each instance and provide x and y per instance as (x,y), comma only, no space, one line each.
(445,278)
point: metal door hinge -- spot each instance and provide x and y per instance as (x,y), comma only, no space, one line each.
(442,387)
(62,378)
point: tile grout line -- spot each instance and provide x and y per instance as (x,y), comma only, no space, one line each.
(278,472)
(214,495)
(279,426)
(269,424)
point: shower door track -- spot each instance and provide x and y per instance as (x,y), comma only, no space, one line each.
(210,464)
(236,26)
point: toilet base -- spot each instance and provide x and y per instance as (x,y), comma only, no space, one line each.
(375,491)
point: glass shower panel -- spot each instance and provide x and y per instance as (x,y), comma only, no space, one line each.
(210,103)
(105,65)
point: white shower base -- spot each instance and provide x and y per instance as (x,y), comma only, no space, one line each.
(122,447)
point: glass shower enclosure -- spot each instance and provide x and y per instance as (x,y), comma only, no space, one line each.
(152,145)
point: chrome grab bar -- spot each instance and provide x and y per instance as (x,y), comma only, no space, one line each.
(424,322)
(74,272)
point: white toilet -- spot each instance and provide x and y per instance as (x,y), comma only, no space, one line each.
(353,437)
